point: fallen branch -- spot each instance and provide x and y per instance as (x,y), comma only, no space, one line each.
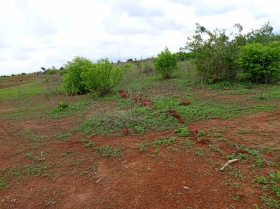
(227,163)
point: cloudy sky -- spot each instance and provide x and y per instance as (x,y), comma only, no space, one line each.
(46,33)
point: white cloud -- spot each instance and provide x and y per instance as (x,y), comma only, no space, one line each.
(46,33)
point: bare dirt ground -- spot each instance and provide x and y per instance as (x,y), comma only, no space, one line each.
(164,177)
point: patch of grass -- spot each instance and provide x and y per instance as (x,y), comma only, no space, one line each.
(164,141)
(2,183)
(143,147)
(63,137)
(188,143)
(22,91)
(109,151)
(88,143)
(183,132)
(64,109)
(270,201)
(199,151)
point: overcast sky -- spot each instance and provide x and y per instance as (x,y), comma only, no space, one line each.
(46,33)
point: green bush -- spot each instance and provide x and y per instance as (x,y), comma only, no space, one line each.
(72,79)
(166,63)
(182,56)
(102,76)
(215,53)
(259,63)
(51,72)
(130,60)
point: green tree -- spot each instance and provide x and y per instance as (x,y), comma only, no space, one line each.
(166,63)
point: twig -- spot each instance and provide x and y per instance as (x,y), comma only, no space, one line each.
(208,173)
(232,207)
(227,163)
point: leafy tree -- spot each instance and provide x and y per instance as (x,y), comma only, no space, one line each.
(166,63)
(260,63)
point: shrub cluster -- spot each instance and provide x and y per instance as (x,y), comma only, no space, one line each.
(166,63)
(83,76)
(220,57)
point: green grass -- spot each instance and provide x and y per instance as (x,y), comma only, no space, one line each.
(77,107)
(22,91)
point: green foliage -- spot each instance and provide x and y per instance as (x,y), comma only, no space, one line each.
(52,71)
(102,76)
(130,60)
(83,76)
(183,132)
(259,63)
(64,137)
(166,63)
(215,56)
(164,141)
(72,80)
(182,56)
(62,105)
(109,151)
(2,183)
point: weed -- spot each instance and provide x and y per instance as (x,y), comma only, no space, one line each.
(88,143)
(63,137)
(183,132)
(164,141)
(199,151)
(2,183)
(270,201)
(109,151)
(259,161)
(143,147)
(200,134)
(62,105)
(188,143)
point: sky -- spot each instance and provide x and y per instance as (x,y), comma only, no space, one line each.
(47,33)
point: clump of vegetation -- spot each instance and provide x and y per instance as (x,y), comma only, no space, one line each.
(62,105)
(183,132)
(259,63)
(83,76)
(166,63)
(72,79)
(102,76)
(183,56)
(109,151)
(221,57)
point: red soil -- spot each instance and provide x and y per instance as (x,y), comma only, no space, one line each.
(78,178)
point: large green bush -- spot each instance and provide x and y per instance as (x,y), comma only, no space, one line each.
(259,63)
(215,53)
(166,63)
(83,76)
(72,79)
(102,76)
